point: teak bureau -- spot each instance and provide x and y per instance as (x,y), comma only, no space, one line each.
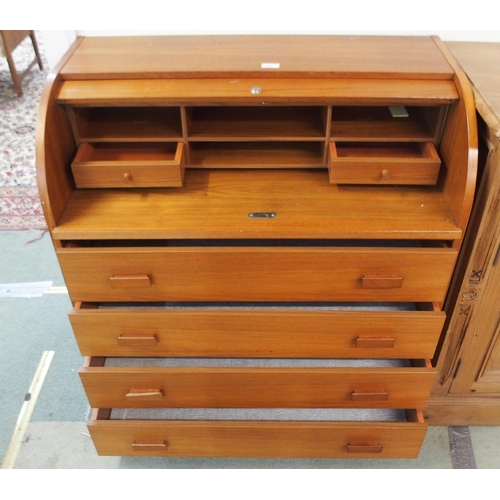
(257,235)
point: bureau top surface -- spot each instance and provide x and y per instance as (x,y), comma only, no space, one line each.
(273,56)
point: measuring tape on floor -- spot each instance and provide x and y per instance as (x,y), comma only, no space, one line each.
(27,410)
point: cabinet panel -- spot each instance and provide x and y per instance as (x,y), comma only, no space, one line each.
(479,369)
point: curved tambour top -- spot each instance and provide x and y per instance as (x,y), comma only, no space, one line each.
(347,71)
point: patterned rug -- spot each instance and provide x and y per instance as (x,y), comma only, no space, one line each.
(20,206)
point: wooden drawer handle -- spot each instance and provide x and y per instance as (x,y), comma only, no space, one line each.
(137,340)
(141,281)
(382,282)
(149,446)
(375,342)
(370,396)
(145,393)
(364,448)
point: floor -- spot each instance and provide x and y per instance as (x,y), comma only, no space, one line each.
(57,438)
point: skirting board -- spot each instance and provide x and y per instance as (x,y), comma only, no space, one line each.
(461,411)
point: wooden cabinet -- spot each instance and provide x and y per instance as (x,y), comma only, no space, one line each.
(257,244)
(467,391)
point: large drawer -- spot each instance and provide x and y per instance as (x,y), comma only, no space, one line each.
(364,331)
(257,274)
(264,439)
(191,383)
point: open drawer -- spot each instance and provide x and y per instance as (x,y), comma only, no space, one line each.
(256,383)
(383,163)
(387,330)
(129,165)
(256,273)
(401,437)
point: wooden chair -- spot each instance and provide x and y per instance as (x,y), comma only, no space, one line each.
(9,40)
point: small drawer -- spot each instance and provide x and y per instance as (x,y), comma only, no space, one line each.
(129,165)
(370,438)
(383,163)
(242,383)
(260,331)
(290,274)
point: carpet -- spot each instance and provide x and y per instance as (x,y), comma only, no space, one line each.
(20,206)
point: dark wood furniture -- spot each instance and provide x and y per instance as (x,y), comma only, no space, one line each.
(257,234)
(10,40)
(467,391)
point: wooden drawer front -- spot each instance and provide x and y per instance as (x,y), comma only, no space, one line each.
(257,274)
(261,333)
(260,439)
(387,163)
(256,387)
(129,165)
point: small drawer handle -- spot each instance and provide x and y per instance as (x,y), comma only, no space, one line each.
(375,342)
(369,396)
(382,282)
(149,445)
(364,448)
(128,281)
(145,393)
(137,340)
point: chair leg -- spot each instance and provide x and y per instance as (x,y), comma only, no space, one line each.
(35,48)
(16,80)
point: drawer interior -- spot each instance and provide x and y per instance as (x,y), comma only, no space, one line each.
(263,414)
(248,363)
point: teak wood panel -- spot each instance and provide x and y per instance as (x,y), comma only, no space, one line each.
(213,91)
(217,204)
(244,55)
(257,274)
(259,439)
(216,387)
(459,148)
(278,333)
(55,147)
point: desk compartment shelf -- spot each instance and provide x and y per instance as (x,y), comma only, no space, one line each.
(126,123)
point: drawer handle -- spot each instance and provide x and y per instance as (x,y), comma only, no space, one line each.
(364,448)
(137,340)
(141,281)
(375,342)
(149,445)
(381,282)
(145,393)
(369,396)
